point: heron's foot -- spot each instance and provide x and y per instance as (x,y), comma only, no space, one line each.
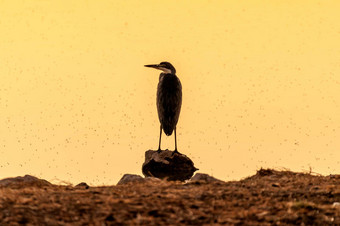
(175,151)
(159,150)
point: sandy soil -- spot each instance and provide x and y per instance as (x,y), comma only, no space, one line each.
(267,198)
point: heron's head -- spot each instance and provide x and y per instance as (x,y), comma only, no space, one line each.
(164,66)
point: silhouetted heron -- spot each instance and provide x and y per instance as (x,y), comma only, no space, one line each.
(169,99)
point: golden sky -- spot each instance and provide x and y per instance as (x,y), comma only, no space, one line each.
(261,86)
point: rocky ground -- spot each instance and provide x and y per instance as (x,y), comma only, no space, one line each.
(268,198)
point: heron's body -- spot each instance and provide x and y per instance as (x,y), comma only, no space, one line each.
(169,99)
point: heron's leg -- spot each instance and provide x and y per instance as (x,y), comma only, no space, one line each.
(175,143)
(160,136)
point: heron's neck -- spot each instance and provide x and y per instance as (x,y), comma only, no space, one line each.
(161,76)
(166,70)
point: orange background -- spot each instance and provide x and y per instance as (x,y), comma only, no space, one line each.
(261,86)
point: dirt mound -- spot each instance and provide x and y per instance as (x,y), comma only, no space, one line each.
(25,181)
(267,198)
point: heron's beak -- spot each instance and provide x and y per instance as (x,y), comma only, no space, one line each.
(156,66)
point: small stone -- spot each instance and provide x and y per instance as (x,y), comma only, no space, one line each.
(336,204)
(168,165)
(265,172)
(152,179)
(82,185)
(204,177)
(127,178)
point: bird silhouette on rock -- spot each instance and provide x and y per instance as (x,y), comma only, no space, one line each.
(169,100)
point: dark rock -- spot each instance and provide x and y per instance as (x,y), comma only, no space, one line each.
(168,165)
(110,217)
(276,185)
(26,180)
(127,178)
(204,177)
(82,185)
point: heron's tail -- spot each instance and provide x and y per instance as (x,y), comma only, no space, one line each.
(168,130)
